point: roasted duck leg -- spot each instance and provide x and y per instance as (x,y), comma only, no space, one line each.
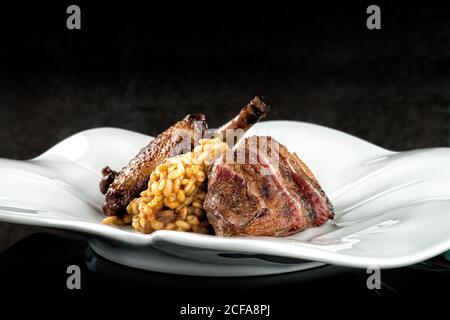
(249,115)
(122,187)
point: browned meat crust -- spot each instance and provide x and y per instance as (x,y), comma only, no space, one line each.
(273,196)
(120,188)
(249,115)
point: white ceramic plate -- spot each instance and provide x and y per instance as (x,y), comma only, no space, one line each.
(392,209)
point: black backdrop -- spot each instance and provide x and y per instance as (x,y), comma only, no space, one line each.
(142,68)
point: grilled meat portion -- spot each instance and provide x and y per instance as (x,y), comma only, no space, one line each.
(122,187)
(265,191)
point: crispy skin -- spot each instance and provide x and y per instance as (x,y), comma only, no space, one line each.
(269,196)
(122,187)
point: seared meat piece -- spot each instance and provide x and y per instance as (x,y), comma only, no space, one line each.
(120,188)
(270,192)
(108,176)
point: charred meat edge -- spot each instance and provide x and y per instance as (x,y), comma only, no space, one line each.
(122,187)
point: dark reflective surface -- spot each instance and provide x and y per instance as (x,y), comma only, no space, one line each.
(41,260)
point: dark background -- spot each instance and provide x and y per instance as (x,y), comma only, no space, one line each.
(144,67)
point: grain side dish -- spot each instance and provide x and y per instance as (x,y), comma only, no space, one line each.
(175,194)
(228,185)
